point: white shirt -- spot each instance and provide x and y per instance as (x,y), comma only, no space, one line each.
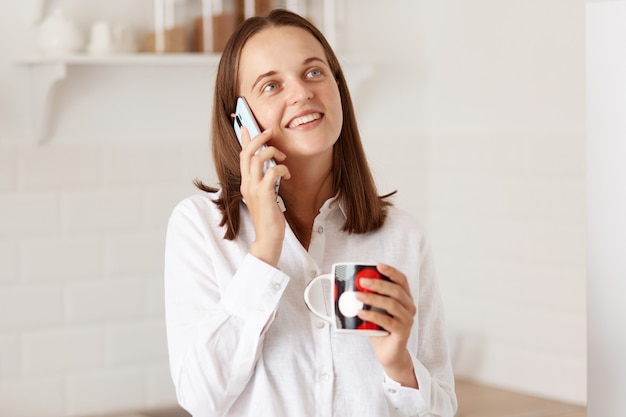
(243,343)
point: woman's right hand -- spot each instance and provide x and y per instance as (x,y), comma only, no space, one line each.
(259,193)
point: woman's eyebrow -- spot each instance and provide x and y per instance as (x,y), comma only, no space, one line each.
(262,76)
(272,73)
(313,59)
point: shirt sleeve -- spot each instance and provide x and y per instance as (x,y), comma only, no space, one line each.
(215,324)
(428,346)
(403,400)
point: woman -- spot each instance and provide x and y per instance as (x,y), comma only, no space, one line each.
(241,340)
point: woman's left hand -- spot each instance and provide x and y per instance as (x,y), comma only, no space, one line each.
(395,298)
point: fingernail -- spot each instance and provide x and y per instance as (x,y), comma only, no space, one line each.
(366,282)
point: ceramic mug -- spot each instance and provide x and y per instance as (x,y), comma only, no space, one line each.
(344,284)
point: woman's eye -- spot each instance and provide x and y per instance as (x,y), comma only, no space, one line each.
(270,87)
(314,73)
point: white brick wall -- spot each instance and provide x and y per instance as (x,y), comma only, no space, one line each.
(8,169)
(8,261)
(33,397)
(136,343)
(58,259)
(146,164)
(10,359)
(103,209)
(29,213)
(30,307)
(82,231)
(509,241)
(106,390)
(41,168)
(105,301)
(73,349)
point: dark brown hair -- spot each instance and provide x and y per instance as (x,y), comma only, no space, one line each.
(352,179)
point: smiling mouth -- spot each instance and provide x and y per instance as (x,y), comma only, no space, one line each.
(304,119)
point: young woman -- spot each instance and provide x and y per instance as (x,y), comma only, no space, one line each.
(241,340)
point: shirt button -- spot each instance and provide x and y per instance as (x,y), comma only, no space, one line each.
(277,286)
(320,325)
(392,391)
(323,376)
(320,230)
(312,273)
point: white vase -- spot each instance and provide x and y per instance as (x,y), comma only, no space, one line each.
(59,35)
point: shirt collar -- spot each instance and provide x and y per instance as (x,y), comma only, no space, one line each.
(333,204)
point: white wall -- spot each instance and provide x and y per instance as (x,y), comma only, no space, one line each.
(505,119)
(606,104)
(483,103)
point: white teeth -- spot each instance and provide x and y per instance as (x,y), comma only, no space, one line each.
(305,119)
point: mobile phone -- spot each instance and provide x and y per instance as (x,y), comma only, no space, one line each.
(244,117)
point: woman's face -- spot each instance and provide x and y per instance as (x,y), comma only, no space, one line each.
(286,79)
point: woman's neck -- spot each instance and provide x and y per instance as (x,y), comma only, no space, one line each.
(304,194)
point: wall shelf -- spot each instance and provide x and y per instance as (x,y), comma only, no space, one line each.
(124,59)
(46,73)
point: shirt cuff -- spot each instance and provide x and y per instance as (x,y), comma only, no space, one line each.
(255,290)
(406,401)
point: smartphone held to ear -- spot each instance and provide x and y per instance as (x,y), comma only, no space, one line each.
(245,118)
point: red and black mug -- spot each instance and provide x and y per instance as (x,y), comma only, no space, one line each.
(344,284)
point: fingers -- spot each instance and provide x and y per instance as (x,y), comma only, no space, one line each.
(250,149)
(395,310)
(397,289)
(255,166)
(394,275)
(260,164)
(258,141)
(396,319)
(394,297)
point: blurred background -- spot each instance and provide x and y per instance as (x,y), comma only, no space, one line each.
(473,110)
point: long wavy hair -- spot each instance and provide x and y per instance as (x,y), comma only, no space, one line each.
(352,178)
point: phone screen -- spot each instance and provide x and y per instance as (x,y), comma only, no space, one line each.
(244,117)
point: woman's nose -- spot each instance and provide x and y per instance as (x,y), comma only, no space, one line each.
(299,92)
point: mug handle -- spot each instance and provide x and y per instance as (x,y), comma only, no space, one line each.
(307,299)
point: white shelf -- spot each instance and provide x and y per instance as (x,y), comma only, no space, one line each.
(124,59)
(46,72)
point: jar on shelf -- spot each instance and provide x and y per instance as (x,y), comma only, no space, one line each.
(182,26)
(263,7)
(321,13)
(172,30)
(214,21)
(192,25)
